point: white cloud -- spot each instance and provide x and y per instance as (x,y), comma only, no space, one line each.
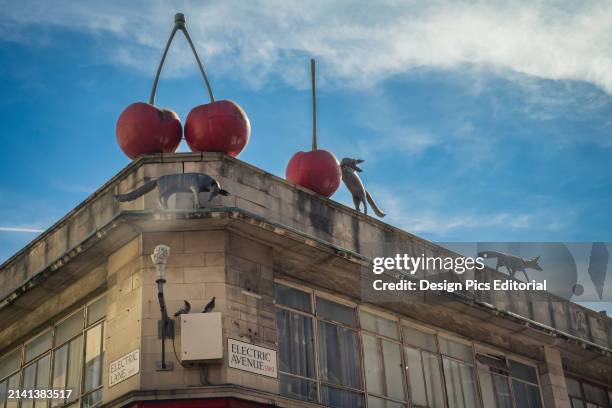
(359,44)
(21,229)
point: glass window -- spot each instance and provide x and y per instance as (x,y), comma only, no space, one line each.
(526,395)
(338,351)
(298,388)
(460,384)
(417,338)
(335,397)
(494,382)
(96,311)
(293,298)
(595,394)
(379,325)
(295,343)
(10,363)
(12,384)
(573,387)
(375,402)
(69,328)
(38,346)
(383,367)
(67,369)
(36,376)
(336,312)
(93,358)
(457,350)
(424,378)
(523,372)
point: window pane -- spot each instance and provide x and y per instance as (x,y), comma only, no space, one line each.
(523,372)
(295,343)
(375,402)
(378,325)
(573,387)
(69,328)
(42,378)
(38,346)
(433,380)
(29,383)
(335,397)
(96,310)
(457,350)
(60,369)
(290,297)
(298,388)
(519,390)
(460,384)
(93,400)
(75,365)
(419,339)
(10,363)
(495,390)
(339,355)
(93,358)
(594,394)
(13,384)
(576,403)
(3,392)
(534,396)
(373,364)
(336,312)
(416,379)
(393,370)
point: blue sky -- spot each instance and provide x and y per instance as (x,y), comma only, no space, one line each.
(478,122)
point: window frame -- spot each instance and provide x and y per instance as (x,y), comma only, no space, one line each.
(581,382)
(52,327)
(319,381)
(379,339)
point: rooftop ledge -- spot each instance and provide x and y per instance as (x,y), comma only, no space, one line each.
(260,197)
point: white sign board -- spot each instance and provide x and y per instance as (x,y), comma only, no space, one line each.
(251,358)
(124,367)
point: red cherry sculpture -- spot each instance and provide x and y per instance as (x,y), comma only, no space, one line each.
(220,126)
(142,128)
(317,170)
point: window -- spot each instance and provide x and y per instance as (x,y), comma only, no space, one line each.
(382,361)
(70,356)
(321,331)
(506,383)
(525,385)
(459,374)
(586,395)
(423,368)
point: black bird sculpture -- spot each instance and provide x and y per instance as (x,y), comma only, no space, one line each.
(210,306)
(183,310)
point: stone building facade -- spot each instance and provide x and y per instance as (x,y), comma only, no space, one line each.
(79,310)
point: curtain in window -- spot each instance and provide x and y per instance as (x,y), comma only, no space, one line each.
(93,358)
(460,384)
(424,378)
(338,355)
(295,343)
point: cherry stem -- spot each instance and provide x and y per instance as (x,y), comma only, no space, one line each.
(314,104)
(179,24)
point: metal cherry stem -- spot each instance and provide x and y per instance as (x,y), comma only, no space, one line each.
(179,24)
(314,103)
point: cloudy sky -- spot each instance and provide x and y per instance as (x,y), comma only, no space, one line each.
(479,121)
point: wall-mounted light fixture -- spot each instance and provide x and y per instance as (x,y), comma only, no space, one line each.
(166,325)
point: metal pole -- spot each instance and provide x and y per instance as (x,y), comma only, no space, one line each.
(164,319)
(179,24)
(314,104)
